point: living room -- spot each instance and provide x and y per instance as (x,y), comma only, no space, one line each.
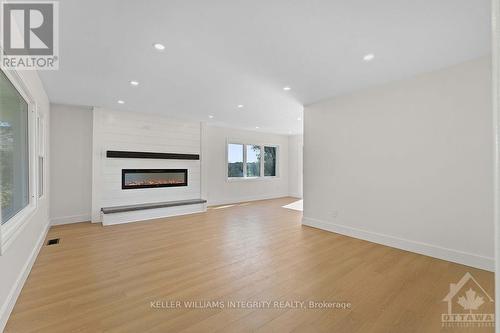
(227,166)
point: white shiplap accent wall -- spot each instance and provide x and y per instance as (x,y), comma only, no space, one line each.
(120,130)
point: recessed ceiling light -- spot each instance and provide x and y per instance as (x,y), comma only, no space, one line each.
(240,106)
(120,101)
(159,47)
(134,83)
(299,119)
(257,127)
(211,116)
(369,57)
(287,88)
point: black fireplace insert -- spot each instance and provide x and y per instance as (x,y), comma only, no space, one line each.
(151,178)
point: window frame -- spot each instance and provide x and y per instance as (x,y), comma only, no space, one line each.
(41,183)
(249,143)
(13,227)
(227,159)
(263,161)
(245,160)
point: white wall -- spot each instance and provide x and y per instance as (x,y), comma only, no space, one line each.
(120,130)
(71,167)
(221,191)
(407,164)
(18,258)
(295,165)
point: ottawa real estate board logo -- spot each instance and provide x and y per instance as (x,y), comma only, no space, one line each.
(30,35)
(469,305)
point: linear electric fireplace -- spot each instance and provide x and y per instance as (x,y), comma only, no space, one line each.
(148,178)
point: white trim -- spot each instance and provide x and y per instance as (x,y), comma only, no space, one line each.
(204,161)
(10,301)
(70,219)
(495,35)
(464,258)
(234,142)
(251,179)
(41,143)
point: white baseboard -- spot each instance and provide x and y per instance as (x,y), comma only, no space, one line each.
(9,303)
(295,195)
(70,219)
(460,257)
(244,199)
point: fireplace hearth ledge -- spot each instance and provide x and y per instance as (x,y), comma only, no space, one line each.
(129,208)
(148,211)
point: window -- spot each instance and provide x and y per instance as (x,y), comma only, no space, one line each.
(235,160)
(269,161)
(251,161)
(40,126)
(41,183)
(14,153)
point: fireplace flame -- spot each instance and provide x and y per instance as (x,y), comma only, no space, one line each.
(154,182)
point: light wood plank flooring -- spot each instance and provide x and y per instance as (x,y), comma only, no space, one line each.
(103,279)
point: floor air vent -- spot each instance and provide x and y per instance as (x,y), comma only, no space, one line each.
(53,241)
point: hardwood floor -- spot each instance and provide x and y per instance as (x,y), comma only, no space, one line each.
(103,279)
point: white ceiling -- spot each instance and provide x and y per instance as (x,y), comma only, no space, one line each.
(223,53)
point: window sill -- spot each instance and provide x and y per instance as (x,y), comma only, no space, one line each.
(251,179)
(12,228)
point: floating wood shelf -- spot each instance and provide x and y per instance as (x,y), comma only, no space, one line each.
(143,154)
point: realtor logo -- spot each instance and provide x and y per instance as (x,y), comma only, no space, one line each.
(30,37)
(469,305)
